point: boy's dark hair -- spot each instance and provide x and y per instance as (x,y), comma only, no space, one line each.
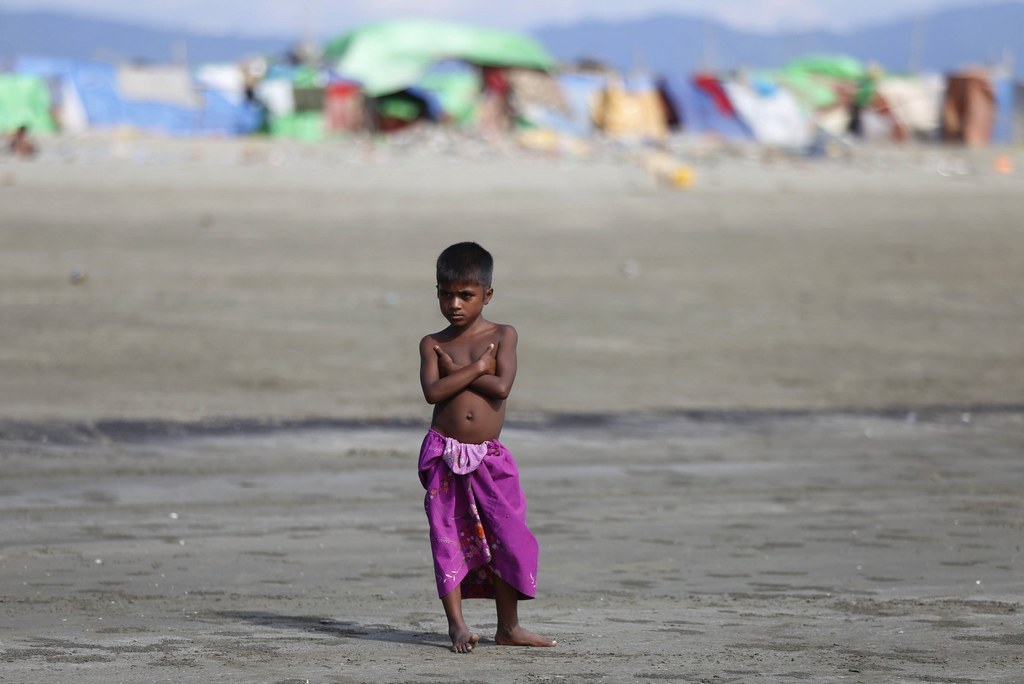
(467,262)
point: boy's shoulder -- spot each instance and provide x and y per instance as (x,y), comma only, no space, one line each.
(506,330)
(430,339)
(503,334)
(503,330)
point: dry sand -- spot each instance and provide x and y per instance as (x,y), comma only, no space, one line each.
(770,429)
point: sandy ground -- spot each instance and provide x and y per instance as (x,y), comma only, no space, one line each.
(770,428)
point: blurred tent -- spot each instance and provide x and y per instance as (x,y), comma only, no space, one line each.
(705,108)
(631,109)
(833,88)
(915,103)
(978,107)
(1017,120)
(536,98)
(295,97)
(969,108)
(151,99)
(842,96)
(399,110)
(582,91)
(66,107)
(227,79)
(389,57)
(1002,128)
(157,83)
(839,67)
(772,114)
(451,90)
(25,101)
(344,108)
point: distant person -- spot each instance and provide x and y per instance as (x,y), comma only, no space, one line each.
(475,507)
(496,109)
(20,145)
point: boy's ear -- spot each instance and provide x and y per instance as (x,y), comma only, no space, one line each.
(487,295)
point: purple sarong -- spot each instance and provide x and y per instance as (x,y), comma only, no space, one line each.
(477,516)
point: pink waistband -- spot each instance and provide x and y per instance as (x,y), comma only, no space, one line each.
(460,458)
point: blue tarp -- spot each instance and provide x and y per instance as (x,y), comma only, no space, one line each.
(96,85)
(700,115)
(581,91)
(1002,130)
(222,116)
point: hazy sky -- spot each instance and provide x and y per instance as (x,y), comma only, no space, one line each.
(328,17)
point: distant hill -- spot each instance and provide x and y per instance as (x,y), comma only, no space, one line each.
(53,34)
(938,41)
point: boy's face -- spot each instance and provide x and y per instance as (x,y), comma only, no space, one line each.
(462,302)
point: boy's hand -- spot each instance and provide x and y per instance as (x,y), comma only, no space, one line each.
(445,365)
(489,360)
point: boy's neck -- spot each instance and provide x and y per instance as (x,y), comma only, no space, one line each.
(477,322)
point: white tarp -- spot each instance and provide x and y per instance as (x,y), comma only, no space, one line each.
(915,101)
(161,84)
(226,79)
(774,117)
(73,119)
(277,95)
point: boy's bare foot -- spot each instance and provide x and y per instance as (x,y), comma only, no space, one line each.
(463,640)
(517,636)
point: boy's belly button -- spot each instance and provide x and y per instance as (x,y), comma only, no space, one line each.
(469,415)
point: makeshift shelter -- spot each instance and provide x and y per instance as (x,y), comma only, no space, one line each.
(969,108)
(978,107)
(772,114)
(227,79)
(1017,118)
(389,57)
(537,98)
(66,108)
(295,97)
(914,102)
(451,90)
(24,101)
(705,108)
(632,109)
(151,99)
(343,108)
(1002,84)
(582,91)
(834,89)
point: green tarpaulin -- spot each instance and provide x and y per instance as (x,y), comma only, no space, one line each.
(24,101)
(391,56)
(839,66)
(305,126)
(814,79)
(458,94)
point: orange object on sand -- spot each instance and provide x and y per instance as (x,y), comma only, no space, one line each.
(1003,164)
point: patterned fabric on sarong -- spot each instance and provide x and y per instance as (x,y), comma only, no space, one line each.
(477,516)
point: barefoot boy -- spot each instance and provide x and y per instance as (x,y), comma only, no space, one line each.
(477,513)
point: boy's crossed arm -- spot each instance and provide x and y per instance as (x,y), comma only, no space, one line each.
(495,385)
(438,388)
(491,374)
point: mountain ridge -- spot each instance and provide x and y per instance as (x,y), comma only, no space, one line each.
(938,41)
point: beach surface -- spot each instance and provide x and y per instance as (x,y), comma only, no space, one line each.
(770,428)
